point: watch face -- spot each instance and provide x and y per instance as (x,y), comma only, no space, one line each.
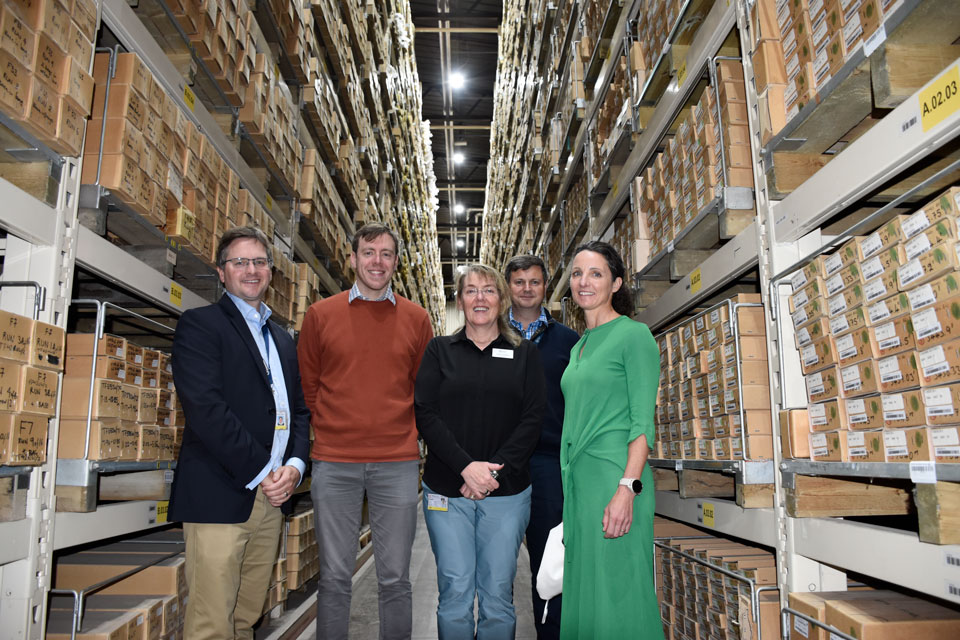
(637,487)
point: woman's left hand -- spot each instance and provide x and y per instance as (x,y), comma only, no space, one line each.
(618,515)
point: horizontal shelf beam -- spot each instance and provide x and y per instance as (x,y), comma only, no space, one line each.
(122,518)
(888,554)
(755,525)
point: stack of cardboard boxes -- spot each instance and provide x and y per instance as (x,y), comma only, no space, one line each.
(714,396)
(691,172)
(875,326)
(31,357)
(134,414)
(45,49)
(698,601)
(800,46)
(302,561)
(871,615)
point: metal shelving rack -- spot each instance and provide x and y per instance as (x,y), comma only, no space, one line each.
(812,553)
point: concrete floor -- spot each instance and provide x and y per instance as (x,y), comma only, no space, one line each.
(364,619)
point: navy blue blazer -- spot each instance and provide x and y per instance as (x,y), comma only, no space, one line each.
(230,413)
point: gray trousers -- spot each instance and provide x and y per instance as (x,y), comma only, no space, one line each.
(337,489)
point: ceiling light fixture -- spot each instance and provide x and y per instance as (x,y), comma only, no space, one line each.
(458,208)
(457,80)
(458,157)
(460,244)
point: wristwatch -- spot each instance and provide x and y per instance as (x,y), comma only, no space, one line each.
(634,483)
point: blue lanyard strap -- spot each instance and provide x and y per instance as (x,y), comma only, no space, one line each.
(266,346)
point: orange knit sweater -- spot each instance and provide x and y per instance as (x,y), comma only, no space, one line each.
(358,364)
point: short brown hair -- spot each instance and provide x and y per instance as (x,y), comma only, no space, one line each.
(522,263)
(230,235)
(373,230)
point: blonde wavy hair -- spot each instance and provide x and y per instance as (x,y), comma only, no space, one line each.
(490,273)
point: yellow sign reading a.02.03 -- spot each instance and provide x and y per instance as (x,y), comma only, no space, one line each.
(162,507)
(940,99)
(707,515)
(695,281)
(176,294)
(189,97)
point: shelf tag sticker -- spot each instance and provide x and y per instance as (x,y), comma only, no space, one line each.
(953,590)
(678,465)
(189,97)
(872,43)
(952,560)
(922,472)
(168,476)
(176,294)
(940,99)
(269,202)
(695,281)
(171,256)
(707,515)
(163,506)
(682,73)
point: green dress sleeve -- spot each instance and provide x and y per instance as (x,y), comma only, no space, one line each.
(641,363)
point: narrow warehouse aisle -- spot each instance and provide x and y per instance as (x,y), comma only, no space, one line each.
(364,621)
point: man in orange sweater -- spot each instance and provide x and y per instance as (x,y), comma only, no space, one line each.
(359,353)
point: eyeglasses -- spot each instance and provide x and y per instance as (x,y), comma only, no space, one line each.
(472,292)
(243,263)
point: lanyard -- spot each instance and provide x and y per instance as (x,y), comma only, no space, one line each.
(266,346)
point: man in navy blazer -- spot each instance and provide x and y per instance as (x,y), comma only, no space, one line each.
(244,445)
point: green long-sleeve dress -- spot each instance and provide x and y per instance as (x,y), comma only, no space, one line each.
(610,392)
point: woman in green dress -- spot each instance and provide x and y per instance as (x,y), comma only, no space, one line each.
(610,390)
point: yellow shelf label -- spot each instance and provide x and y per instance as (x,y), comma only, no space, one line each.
(695,281)
(189,97)
(269,203)
(682,74)
(707,514)
(163,506)
(941,99)
(176,294)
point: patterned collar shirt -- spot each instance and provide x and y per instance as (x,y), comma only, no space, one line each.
(532,328)
(387,295)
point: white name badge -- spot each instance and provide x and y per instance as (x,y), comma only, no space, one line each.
(281,424)
(436,502)
(503,353)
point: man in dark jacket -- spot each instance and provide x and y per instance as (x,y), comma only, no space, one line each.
(244,445)
(527,277)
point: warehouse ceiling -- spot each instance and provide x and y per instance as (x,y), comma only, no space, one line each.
(458,37)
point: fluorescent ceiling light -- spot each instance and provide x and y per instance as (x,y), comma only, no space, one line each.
(458,208)
(457,80)
(458,157)
(460,244)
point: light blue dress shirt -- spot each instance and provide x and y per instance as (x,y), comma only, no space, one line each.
(255,322)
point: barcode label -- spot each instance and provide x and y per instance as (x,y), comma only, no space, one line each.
(923,472)
(910,272)
(835,284)
(921,296)
(870,245)
(953,590)
(872,268)
(801,626)
(799,280)
(917,247)
(878,311)
(951,559)
(915,224)
(839,325)
(846,347)
(803,337)
(874,289)
(926,323)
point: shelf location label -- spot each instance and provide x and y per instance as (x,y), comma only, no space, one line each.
(682,73)
(941,99)
(176,294)
(269,202)
(163,506)
(707,515)
(695,282)
(922,472)
(189,97)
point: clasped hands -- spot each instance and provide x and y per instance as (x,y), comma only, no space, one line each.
(279,484)
(478,480)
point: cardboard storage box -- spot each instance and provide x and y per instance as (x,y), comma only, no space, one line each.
(827,416)
(888,618)
(105,367)
(47,343)
(864,446)
(105,440)
(75,398)
(82,344)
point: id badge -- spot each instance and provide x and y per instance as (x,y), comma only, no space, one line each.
(281,424)
(436,502)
